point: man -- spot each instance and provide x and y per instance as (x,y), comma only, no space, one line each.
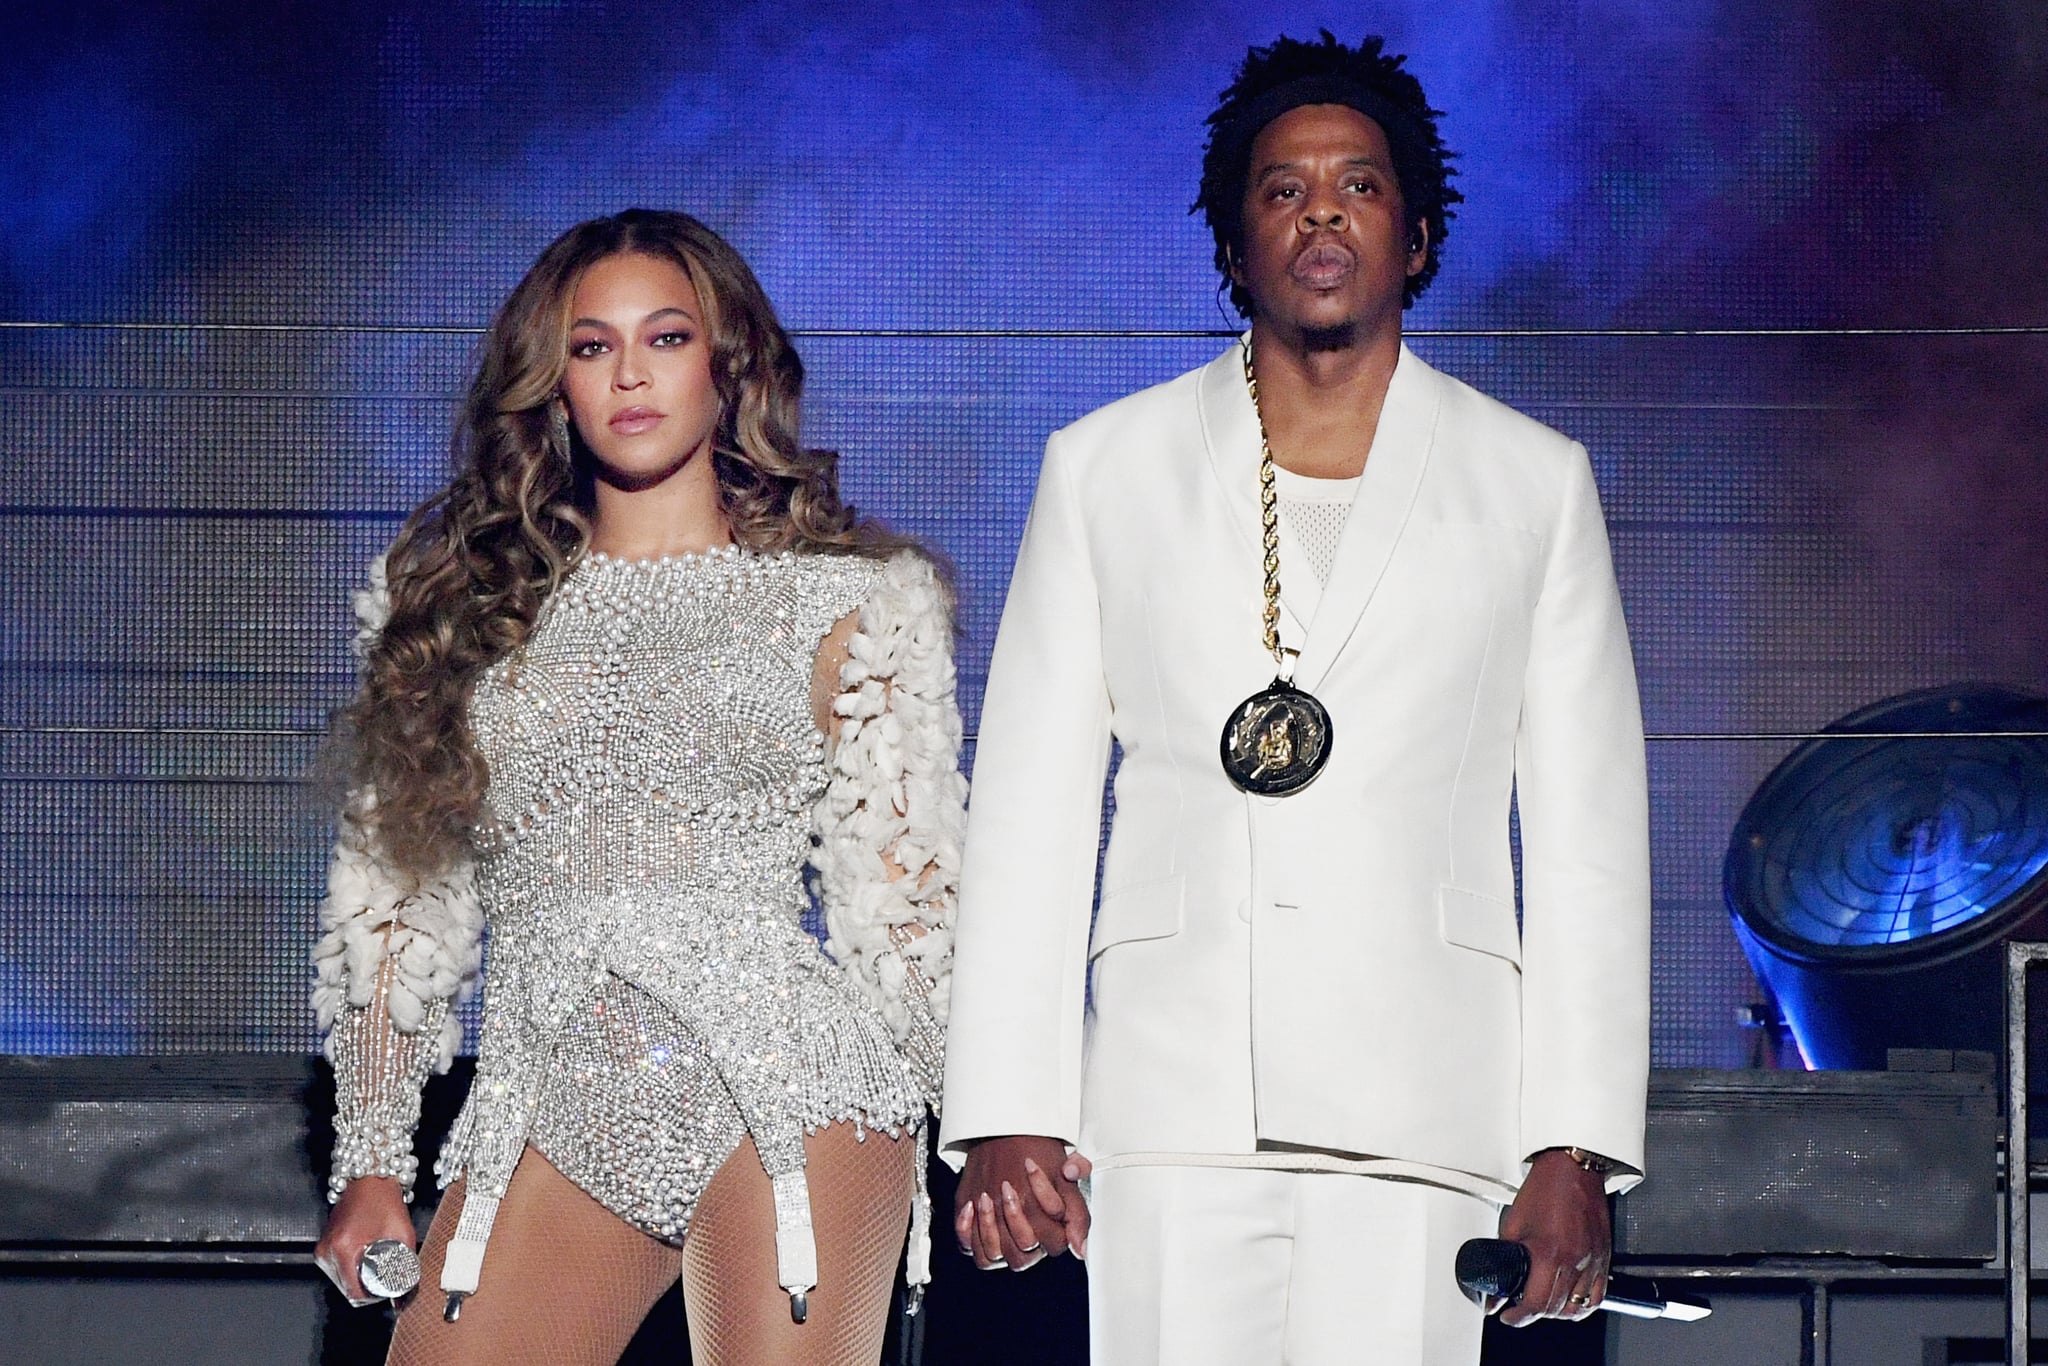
(1307,1047)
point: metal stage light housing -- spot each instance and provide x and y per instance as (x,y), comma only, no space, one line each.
(1873,877)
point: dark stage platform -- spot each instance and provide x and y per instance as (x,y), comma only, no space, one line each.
(164,1208)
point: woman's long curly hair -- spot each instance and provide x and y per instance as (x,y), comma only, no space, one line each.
(473,565)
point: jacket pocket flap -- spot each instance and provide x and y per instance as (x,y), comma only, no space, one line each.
(1486,924)
(1138,910)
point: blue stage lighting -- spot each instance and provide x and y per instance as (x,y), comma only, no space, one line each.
(1875,872)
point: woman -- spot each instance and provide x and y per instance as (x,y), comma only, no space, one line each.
(637,665)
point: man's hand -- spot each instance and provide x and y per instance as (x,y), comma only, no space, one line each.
(1561,1217)
(1018,1203)
(371,1207)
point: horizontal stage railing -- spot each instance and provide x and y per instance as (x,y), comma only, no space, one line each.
(1053,333)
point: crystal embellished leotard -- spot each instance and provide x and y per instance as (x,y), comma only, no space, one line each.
(657,789)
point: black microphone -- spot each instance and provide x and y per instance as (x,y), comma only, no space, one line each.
(1498,1267)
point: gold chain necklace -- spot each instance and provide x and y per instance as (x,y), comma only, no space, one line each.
(1269,519)
(1278,739)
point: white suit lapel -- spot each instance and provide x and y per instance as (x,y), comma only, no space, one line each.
(1379,512)
(1230,428)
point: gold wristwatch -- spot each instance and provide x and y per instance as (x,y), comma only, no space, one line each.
(1590,1161)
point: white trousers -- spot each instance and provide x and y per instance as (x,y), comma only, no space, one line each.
(1189,1266)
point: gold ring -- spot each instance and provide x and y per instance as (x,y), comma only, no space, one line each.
(1579,1299)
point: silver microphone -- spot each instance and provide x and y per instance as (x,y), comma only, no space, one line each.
(388,1269)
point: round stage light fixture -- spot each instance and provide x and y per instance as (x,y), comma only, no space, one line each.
(1876,874)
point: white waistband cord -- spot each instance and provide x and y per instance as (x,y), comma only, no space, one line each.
(465,1259)
(796,1247)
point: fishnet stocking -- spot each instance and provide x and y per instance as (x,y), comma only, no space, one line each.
(566,1282)
(860,1207)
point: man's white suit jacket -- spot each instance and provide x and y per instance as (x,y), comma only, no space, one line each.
(1341,969)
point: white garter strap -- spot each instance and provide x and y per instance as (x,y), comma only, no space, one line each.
(796,1245)
(465,1260)
(917,1257)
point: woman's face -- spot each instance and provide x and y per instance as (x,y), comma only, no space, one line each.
(638,382)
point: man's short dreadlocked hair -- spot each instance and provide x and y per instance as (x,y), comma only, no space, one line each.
(1291,73)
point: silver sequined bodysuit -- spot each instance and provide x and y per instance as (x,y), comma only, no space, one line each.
(651,994)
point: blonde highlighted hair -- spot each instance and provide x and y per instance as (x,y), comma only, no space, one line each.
(473,564)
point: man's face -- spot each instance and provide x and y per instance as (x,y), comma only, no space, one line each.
(1326,247)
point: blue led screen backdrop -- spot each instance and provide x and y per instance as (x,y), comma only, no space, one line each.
(1779,265)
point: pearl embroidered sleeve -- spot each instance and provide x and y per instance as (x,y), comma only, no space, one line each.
(391,963)
(889,826)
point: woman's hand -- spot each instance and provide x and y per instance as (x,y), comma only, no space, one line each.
(372,1207)
(1019,1202)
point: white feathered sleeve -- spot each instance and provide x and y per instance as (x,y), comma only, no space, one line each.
(890,823)
(391,963)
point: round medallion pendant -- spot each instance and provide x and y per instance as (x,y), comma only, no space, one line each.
(1277,741)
